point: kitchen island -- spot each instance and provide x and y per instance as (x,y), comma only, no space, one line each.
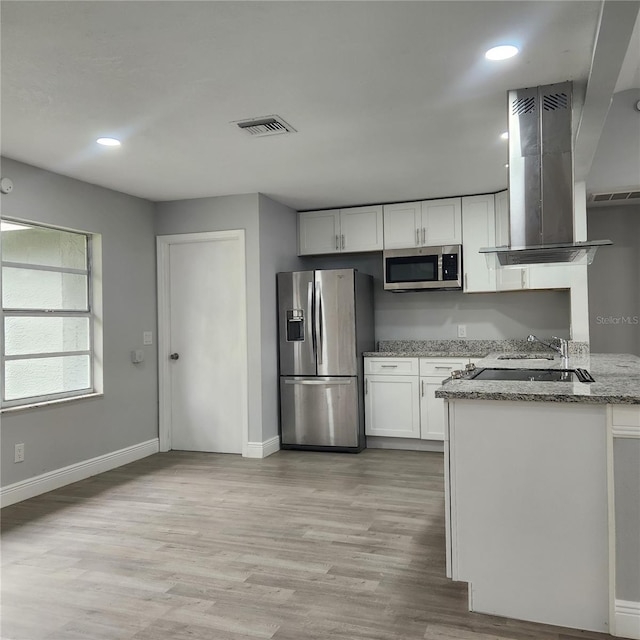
(529,490)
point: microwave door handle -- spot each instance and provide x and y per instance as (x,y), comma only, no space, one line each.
(440,275)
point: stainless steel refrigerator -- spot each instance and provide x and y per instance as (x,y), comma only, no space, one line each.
(325,323)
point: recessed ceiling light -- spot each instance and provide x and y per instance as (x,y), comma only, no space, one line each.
(504,135)
(108,142)
(506,166)
(501,52)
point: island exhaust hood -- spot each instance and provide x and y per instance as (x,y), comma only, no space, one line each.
(541,180)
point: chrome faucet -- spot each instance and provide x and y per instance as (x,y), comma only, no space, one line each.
(563,349)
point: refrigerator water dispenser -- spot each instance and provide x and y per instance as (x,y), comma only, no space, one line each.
(295,325)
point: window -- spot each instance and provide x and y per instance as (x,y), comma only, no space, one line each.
(47,316)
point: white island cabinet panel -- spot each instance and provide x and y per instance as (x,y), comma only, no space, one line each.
(528,507)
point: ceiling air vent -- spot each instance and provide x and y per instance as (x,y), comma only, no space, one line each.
(264,126)
(615,196)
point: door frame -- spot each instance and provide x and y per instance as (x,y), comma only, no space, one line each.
(163,244)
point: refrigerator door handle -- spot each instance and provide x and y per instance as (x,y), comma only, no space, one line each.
(322,382)
(319,329)
(310,311)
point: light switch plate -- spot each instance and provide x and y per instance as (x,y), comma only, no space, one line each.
(147,337)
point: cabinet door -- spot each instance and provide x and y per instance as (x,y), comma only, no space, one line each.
(402,225)
(318,232)
(441,222)
(361,229)
(392,406)
(478,230)
(506,279)
(432,416)
(550,277)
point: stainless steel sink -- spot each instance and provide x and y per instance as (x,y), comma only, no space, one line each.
(532,375)
(524,356)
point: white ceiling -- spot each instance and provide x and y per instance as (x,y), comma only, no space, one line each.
(391,100)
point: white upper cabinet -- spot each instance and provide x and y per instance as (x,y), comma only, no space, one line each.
(423,224)
(340,230)
(318,232)
(361,229)
(442,221)
(507,279)
(478,230)
(533,276)
(402,223)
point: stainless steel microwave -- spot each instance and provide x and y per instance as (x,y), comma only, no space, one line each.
(423,268)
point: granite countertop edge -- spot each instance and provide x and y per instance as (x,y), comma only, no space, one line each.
(617,381)
(424,354)
(448,394)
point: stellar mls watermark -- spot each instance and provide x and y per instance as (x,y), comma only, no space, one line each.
(619,320)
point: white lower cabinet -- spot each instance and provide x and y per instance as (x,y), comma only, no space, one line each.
(400,397)
(432,410)
(391,397)
(391,406)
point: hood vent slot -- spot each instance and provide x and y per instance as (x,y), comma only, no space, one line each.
(555,101)
(524,105)
(264,126)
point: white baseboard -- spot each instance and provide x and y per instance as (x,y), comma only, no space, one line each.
(262,449)
(51,480)
(627,623)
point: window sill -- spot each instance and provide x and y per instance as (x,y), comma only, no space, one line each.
(49,403)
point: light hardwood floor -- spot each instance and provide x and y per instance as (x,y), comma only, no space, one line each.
(195,546)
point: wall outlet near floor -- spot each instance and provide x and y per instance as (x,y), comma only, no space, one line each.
(147,337)
(462,331)
(19,453)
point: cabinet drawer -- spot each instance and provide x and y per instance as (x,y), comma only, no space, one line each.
(391,366)
(441,366)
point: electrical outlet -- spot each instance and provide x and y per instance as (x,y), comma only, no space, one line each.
(147,337)
(462,331)
(19,453)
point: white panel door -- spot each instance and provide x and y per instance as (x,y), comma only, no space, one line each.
(361,228)
(206,356)
(478,230)
(432,410)
(506,279)
(392,406)
(441,222)
(402,225)
(319,232)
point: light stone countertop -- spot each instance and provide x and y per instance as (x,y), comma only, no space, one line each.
(463,348)
(617,381)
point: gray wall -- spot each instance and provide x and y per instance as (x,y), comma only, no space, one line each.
(433,315)
(222,214)
(278,247)
(614,280)
(616,164)
(626,453)
(61,435)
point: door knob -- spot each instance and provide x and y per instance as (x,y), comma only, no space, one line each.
(174,356)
